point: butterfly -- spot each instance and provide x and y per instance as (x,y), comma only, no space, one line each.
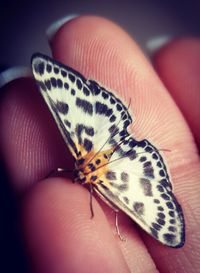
(128,174)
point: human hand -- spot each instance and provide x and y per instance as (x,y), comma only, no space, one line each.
(58,231)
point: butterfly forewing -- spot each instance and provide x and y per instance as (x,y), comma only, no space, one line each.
(84,112)
(93,123)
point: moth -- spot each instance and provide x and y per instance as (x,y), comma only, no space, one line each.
(128,174)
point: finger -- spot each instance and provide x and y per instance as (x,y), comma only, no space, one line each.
(60,235)
(178,65)
(29,140)
(108,55)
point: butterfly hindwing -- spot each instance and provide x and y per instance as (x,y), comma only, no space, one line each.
(137,182)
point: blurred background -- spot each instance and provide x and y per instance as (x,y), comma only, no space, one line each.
(24,23)
(22,30)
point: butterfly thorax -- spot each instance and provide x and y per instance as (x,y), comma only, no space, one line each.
(89,168)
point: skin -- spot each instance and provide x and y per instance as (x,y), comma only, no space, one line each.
(55,215)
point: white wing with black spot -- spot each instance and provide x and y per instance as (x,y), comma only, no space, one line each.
(138,183)
(85,112)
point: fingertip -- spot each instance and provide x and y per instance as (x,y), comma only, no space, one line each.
(178,65)
(29,140)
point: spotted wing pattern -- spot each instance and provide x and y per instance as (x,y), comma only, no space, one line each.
(91,120)
(85,113)
(138,183)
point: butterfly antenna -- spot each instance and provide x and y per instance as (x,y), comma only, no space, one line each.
(125,155)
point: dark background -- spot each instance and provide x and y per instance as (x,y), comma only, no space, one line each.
(22,32)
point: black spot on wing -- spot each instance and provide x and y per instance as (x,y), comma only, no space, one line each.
(112,100)
(165,196)
(112,118)
(71,77)
(94,87)
(160,208)
(49,68)
(171,213)
(67,123)
(89,131)
(110,175)
(86,91)
(155,156)
(73,92)
(161,221)
(132,143)
(41,85)
(165,183)
(113,129)
(161,215)
(62,107)
(126,200)
(172,221)
(119,107)
(56,70)
(143,158)
(59,83)
(48,84)
(101,108)
(66,85)
(119,187)
(79,84)
(91,167)
(156,226)
(149,149)
(148,169)
(53,82)
(80,128)
(172,228)
(98,161)
(162,173)
(93,177)
(170,205)
(63,73)
(159,164)
(124,177)
(87,145)
(169,238)
(146,186)
(41,68)
(154,232)
(139,208)
(105,95)
(131,154)
(85,105)
(160,188)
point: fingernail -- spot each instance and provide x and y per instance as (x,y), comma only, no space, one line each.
(155,43)
(14,73)
(54,27)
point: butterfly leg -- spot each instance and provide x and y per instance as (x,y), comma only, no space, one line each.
(116,214)
(91,205)
(117,226)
